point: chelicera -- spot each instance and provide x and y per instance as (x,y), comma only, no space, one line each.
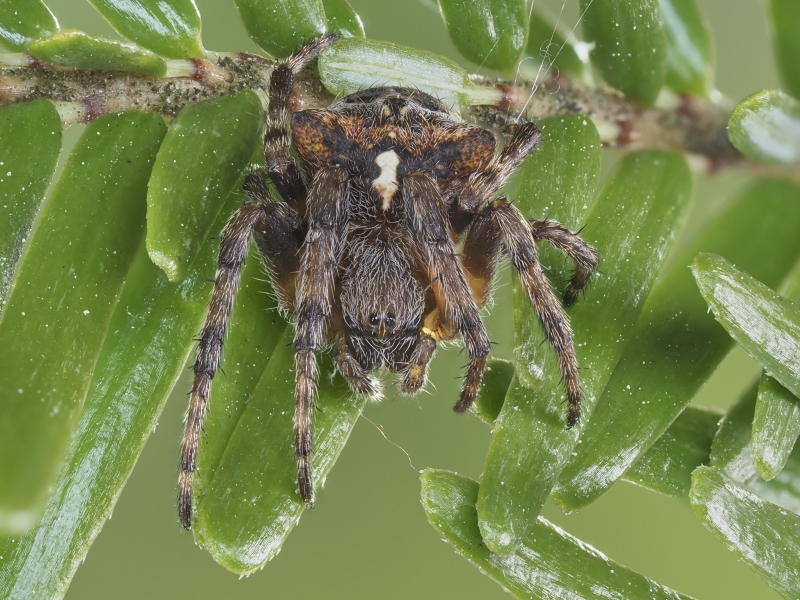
(362,248)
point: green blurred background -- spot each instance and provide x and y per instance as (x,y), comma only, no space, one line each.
(368,537)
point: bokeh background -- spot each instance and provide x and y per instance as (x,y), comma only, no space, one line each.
(368,536)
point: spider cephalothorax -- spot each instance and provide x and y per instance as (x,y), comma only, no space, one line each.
(361,247)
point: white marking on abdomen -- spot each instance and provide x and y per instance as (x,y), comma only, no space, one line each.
(386,183)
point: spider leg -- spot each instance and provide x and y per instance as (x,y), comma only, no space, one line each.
(427,221)
(584,255)
(416,374)
(484,185)
(360,381)
(482,250)
(282,170)
(319,262)
(279,240)
(232,252)
(501,221)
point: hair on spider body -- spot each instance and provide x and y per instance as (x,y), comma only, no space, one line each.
(361,248)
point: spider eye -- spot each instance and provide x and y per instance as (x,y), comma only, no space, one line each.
(390,319)
(374,319)
(350,321)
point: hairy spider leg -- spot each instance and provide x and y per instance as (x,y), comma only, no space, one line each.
(275,227)
(482,186)
(429,227)
(232,252)
(283,171)
(279,240)
(584,255)
(319,263)
(501,227)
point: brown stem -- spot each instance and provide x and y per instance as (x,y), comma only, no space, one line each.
(693,125)
(100,92)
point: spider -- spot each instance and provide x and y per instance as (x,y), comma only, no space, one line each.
(361,248)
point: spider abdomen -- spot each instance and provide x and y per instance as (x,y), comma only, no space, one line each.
(406,126)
